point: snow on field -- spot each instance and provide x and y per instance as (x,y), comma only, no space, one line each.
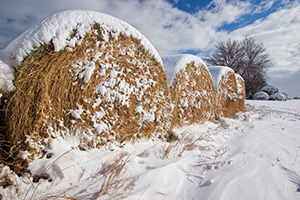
(256,156)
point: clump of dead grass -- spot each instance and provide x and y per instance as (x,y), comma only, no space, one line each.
(48,88)
(193,96)
(114,185)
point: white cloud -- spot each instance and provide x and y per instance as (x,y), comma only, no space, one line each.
(263,6)
(223,12)
(168,28)
(287,82)
(280,34)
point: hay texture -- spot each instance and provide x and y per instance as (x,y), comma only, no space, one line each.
(88,78)
(241,92)
(226,88)
(192,89)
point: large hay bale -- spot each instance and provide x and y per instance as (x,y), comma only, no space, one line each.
(241,92)
(192,89)
(226,88)
(88,77)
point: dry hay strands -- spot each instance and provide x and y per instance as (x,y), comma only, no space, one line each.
(241,92)
(192,90)
(226,89)
(8,150)
(101,90)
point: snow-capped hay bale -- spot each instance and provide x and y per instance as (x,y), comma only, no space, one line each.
(260,96)
(278,97)
(88,77)
(270,89)
(226,88)
(241,92)
(192,90)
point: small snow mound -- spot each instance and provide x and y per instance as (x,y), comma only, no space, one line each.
(278,97)
(57,29)
(270,89)
(261,96)
(174,64)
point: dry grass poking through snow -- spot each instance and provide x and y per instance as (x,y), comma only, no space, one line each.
(99,91)
(112,183)
(193,95)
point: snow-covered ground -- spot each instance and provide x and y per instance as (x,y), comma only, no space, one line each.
(256,156)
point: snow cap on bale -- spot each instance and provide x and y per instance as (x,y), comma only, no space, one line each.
(241,92)
(87,77)
(192,90)
(68,29)
(226,88)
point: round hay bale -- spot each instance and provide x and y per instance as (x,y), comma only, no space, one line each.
(241,92)
(261,96)
(226,88)
(88,77)
(192,90)
(270,89)
(278,97)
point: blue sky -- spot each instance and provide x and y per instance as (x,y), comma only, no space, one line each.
(186,26)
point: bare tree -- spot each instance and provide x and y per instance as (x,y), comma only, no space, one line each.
(247,58)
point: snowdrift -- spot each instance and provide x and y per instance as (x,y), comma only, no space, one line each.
(87,77)
(228,101)
(192,90)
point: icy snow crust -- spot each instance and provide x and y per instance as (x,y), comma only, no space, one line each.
(57,29)
(174,64)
